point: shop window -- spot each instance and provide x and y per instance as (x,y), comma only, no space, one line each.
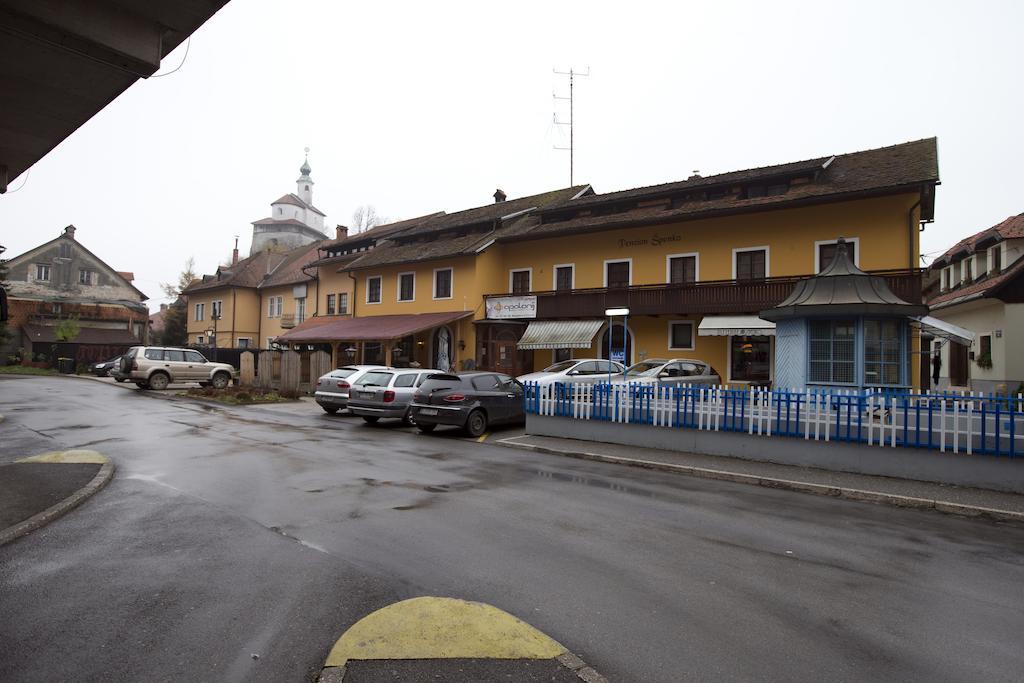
(519,281)
(443,283)
(406,286)
(373,289)
(682,269)
(681,335)
(827,252)
(331,303)
(832,357)
(564,278)
(749,359)
(751,264)
(617,274)
(882,352)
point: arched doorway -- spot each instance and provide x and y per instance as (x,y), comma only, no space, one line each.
(621,346)
(442,349)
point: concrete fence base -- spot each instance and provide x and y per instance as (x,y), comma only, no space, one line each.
(980,471)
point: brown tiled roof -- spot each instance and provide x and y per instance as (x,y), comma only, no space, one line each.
(249,272)
(986,285)
(289,271)
(295,200)
(904,167)
(379,231)
(86,335)
(401,247)
(1011,228)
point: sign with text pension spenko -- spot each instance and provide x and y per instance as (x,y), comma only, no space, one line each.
(511,307)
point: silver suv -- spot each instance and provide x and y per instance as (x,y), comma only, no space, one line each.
(386,393)
(154,367)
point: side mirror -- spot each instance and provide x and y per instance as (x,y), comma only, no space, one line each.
(664,373)
(573,373)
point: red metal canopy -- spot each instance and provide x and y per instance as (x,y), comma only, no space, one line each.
(371,328)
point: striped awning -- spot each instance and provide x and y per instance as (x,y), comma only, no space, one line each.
(737,325)
(559,334)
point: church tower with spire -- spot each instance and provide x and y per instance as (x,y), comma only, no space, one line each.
(293,221)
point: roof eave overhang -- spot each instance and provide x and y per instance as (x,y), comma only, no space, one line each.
(720,212)
(843,310)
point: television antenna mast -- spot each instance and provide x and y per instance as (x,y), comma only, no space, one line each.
(572,74)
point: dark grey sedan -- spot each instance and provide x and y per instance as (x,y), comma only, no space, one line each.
(471,400)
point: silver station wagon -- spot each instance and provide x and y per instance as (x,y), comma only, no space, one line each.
(386,393)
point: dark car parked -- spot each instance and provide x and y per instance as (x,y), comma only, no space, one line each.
(103,369)
(471,400)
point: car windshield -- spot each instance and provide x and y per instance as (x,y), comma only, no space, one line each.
(374,379)
(560,367)
(646,368)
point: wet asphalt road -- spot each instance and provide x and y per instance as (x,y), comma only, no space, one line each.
(267,531)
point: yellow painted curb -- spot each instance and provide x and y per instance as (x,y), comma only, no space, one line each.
(68,457)
(441,628)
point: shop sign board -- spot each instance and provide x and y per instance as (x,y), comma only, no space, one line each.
(511,307)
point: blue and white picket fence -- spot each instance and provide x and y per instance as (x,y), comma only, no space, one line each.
(957,422)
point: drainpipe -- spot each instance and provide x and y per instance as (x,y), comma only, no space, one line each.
(910,236)
(355,292)
(234,332)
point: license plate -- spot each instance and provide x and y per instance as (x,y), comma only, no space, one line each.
(428,411)
(367,394)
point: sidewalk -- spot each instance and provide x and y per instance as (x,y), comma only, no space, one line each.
(900,492)
(446,639)
(37,489)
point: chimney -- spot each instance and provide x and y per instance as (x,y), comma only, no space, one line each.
(499,196)
(340,232)
(234,253)
(69,232)
(163,307)
(695,176)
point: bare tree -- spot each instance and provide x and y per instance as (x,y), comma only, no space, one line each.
(365,217)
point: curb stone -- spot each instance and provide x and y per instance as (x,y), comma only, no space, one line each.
(772,482)
(336,674)
(60,509)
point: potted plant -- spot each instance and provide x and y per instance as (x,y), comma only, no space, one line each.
(984,361)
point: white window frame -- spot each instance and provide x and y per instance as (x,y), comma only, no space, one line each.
(398,287)
(280,307)
(999,248)
(554,278)
(696,265)
(946,281)
(604,270)
(817,253)
(511,271)
(451,284)
(217,308)
(300,316)
(90,276)
(693,335)
(49,272)
(270,307)
(380,289)
(330,298)
(767,258)
(342,294)
(199,312)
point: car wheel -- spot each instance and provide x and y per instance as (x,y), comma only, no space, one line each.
(142,385)
(204,384)
(330,410)
(476,423)
(407,418)
(425,428)
(159,381)
(370,419)
(220,380)
(120,379)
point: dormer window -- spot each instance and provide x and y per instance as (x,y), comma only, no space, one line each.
(968,270)
(995,260)
(945,278)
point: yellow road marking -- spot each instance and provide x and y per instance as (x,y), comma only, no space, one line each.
(483,437)
(72,456)
(441,628)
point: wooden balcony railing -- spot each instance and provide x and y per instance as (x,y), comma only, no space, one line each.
(708,297)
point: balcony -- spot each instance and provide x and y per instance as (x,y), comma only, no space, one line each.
(288,321)
(702,298)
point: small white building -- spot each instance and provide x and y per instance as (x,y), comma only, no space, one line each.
(981,288)
(293,220)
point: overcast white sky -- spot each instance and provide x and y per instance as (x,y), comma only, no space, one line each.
(417,107)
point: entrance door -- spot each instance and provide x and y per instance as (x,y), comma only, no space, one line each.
(622,345)
(957,364)
(506,354)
